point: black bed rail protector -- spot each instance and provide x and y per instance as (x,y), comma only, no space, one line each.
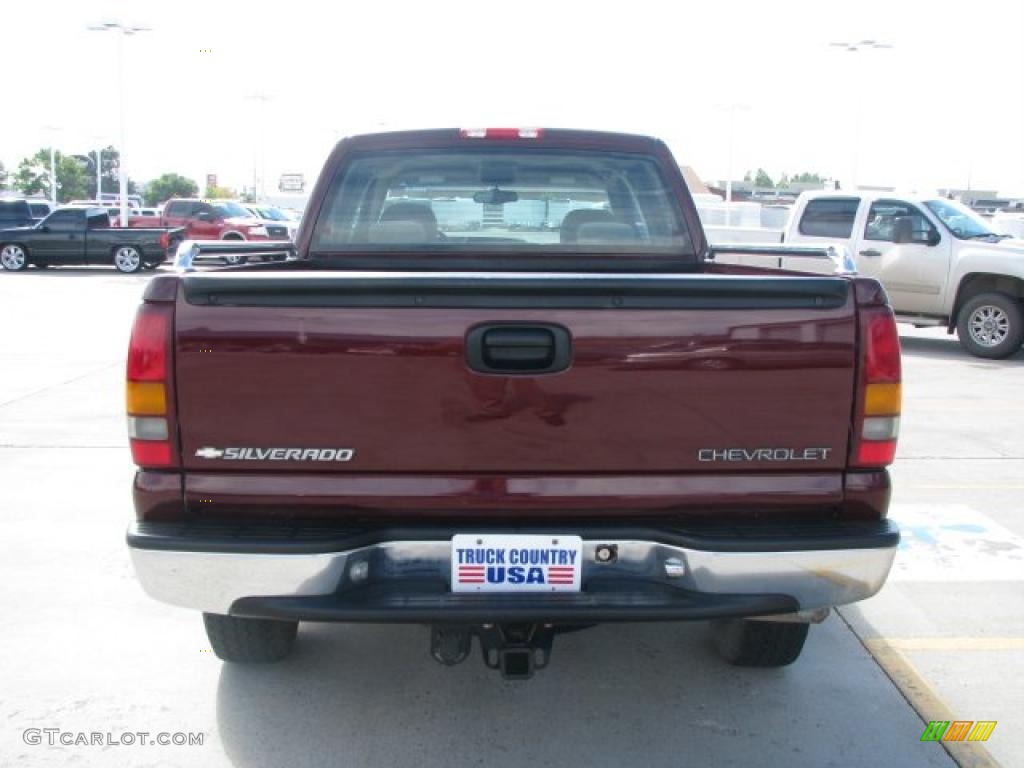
(314,539)
(514,290)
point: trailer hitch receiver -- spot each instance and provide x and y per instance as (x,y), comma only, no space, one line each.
(516,650)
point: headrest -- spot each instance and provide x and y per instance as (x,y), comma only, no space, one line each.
(399,232)
(599,232)
(418,212)
(570,230)
(903,230)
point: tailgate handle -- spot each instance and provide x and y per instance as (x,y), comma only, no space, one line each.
(515,348)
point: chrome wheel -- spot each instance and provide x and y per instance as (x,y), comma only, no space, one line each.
(988,325)
(127,259)
(13,258)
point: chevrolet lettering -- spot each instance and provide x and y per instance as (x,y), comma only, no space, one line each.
(763,454)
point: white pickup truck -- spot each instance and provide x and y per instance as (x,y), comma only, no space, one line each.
(940,263)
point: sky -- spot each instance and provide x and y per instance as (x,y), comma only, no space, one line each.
(231,88)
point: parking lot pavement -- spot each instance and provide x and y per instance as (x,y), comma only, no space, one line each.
(950,622)
(92,653)
(87,651)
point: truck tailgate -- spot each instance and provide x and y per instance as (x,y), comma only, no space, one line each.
(666,373)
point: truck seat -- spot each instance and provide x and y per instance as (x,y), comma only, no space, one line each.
(574,220)
(412,213)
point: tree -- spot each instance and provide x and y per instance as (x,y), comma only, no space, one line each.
(747,176)
(110,167)
(762,179)
(3,176)
(220,192)
(33,176)
(809,178)
(170,185)
(783,181)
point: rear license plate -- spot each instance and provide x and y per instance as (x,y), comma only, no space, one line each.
(516,563)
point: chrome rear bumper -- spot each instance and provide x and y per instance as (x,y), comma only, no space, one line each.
(218,576)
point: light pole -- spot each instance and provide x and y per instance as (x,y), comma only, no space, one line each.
(99,168)
(52,129)
(858,47)
(259,182)
(123,31)
(732,109)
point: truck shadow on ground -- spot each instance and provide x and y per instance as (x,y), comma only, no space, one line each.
(623,695)
(950,349)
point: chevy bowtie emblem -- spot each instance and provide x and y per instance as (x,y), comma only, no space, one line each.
(209,453)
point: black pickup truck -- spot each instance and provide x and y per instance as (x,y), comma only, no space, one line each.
(73,236)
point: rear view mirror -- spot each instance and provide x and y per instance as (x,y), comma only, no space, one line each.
(934,238)
(495,196)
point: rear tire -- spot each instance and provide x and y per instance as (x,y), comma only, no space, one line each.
(127,259)
(991,325)
(249,641)
(746,643)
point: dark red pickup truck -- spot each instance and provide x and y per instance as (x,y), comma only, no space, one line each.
(503,390)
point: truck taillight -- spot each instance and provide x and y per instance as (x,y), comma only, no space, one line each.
(165,240)
(501,133)
(877,416)
(146,391)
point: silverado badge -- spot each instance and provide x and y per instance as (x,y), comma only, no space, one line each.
(276,454)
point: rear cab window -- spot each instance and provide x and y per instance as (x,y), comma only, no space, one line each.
(98,219)
(829,217)
(67,220)
(500,200)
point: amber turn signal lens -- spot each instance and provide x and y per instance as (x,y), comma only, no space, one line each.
(882,399)
(146,398)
